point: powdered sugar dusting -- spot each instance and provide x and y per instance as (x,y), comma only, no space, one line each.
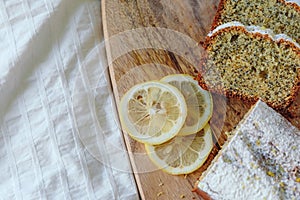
(294,1)
(259,161)
(254,29)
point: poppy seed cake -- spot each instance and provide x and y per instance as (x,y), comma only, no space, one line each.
(260,161)
(279,15)
(249,62)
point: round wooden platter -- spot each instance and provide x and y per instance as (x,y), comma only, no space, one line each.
(146,40)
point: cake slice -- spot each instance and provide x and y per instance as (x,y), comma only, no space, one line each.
(249,62)
(261,160)
(279,15)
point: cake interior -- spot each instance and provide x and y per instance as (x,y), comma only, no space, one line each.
(273,14)
(251,65)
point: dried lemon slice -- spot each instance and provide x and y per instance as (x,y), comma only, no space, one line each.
(199,102)
(152,112)
(182,154)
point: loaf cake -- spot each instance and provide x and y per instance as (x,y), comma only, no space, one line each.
(250,62)
(279,15)
(260,161)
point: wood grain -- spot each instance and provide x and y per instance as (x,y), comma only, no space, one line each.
(146,40)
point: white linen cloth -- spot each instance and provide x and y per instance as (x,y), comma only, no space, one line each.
(59,137)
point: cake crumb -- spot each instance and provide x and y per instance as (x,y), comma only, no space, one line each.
(159,194)
(160,184)
(182,196)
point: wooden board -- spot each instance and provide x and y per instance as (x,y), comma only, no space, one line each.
(146,40)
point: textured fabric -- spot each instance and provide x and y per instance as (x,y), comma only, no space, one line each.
(59,137)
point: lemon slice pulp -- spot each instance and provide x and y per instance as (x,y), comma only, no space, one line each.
(182,154)
(152,112)
(199,102)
